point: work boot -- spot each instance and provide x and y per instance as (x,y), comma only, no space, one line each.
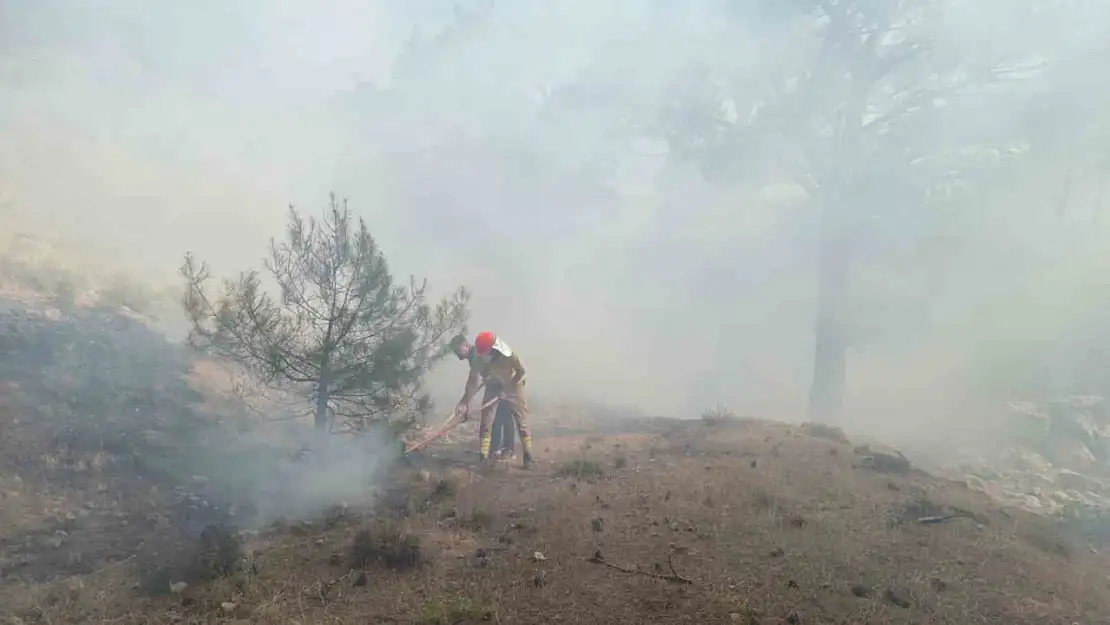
(527,460)
(482,458)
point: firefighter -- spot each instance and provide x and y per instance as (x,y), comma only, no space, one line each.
(503,438)
(492,360)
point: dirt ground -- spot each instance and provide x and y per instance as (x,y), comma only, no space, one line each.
(681,522)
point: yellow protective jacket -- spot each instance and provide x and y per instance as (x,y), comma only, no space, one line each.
(501,370)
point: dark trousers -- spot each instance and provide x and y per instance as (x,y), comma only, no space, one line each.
(515,411)
(503,435)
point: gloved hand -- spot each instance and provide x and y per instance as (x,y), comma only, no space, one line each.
(462,410)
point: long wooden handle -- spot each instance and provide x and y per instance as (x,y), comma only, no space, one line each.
(447,427)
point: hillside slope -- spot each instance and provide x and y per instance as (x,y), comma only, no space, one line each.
(134,489)
(668,522)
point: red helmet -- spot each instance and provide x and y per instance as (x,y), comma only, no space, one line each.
(484,342)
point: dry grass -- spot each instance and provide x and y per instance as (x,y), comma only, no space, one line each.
(766,523)
(43,264)
(722,520)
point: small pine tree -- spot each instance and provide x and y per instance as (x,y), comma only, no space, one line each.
(341,333)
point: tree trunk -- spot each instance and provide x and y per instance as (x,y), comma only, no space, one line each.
(321,421)
(830,358)
(840,182)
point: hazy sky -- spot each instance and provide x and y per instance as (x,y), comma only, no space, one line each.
(523,156)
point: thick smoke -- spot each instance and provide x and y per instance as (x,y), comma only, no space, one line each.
(521,148)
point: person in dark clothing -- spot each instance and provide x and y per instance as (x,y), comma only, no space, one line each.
(503,440)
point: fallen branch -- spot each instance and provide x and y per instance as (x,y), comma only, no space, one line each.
(673,576)
(934,520)
(323,588)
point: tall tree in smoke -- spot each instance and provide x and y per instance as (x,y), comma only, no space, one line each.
(865,110)
(342,333)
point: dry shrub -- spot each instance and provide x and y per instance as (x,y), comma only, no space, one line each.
(582,469)
(386,545)
(475,520)
(399,501)
(218,555)
(718,415)
(445,489)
